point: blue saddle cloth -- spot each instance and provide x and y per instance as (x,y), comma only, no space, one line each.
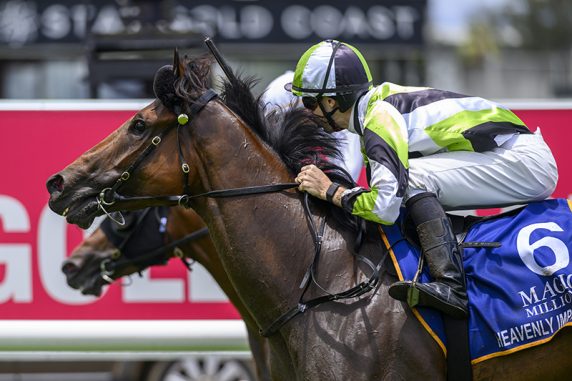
(520,294)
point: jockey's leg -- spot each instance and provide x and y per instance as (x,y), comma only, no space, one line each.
(521,170)
(447,292)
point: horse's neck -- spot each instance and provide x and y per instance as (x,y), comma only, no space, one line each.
(263,240)
(233,156)
(183,222)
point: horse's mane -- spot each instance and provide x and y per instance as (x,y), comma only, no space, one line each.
(237,95)
(195,79)
(296,134)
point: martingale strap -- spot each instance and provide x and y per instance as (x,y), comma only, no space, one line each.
(302,307)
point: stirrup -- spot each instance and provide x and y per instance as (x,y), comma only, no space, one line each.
(415,297)
(411,296)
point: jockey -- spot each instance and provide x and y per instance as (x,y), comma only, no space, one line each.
(429,149)
(276,98)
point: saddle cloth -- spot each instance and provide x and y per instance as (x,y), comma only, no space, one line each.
(520,294)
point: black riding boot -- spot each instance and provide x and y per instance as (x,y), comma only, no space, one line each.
(447,292)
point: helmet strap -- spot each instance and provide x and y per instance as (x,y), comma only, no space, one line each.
(328,115)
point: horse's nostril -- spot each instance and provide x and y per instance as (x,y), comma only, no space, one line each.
(69,268)
(55,184)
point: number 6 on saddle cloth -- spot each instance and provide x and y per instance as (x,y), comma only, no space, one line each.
(518,274)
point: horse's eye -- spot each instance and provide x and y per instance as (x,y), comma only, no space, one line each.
(138,126)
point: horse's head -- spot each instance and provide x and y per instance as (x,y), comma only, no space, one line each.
(149,237)
(171,147)
(144,148)
(82,269)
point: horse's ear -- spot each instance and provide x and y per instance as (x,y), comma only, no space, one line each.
(178,65)
(163,86)
(164,82)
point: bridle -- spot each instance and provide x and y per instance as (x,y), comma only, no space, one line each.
(141,243)
(109,196)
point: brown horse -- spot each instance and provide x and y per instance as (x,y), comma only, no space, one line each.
(265,244)
(142,244)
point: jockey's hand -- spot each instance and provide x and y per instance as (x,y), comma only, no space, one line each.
(313,181)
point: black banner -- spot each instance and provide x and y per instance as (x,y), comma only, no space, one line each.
(25,22)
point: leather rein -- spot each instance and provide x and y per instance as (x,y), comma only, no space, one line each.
(109,196)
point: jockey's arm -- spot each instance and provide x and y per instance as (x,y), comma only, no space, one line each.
(385,140)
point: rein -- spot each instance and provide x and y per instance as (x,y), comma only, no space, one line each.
(184,200)
(109,196)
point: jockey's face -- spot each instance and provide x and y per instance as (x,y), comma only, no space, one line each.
(342,119)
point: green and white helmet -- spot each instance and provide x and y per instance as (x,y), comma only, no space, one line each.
(330,68)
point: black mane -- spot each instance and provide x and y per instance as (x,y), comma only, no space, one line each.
(296,134)
(237,95)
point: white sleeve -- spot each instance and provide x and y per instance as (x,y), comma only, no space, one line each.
(350,147)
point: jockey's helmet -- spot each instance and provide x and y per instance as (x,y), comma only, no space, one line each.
(331,68)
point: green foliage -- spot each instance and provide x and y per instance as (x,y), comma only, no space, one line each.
(481,42)
(542,24)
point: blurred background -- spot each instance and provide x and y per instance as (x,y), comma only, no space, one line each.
(110,48)
(55,52)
